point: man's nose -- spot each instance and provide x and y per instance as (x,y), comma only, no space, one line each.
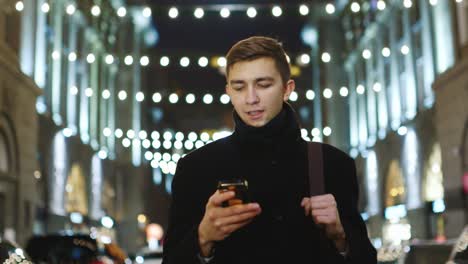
(252,96)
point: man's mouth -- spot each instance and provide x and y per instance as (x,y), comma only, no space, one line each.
(255,114)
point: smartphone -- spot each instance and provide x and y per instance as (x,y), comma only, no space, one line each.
(239,187)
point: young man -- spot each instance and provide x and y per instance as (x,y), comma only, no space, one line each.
(282,224)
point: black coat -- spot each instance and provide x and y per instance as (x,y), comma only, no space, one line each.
(276,166)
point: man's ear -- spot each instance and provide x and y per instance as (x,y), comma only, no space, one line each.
(288,89)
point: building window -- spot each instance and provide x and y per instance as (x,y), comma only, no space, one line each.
(462,10)
(4,161)
(2,216)
(13,20)
(2,25)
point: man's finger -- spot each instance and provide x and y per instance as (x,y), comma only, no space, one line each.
(228,229)
(238,209)
(219,197)
(329,212)
(306,204)
(322,198)
(324,219)
(235,219)
(320,204)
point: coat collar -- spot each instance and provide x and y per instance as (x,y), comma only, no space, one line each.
(282,129)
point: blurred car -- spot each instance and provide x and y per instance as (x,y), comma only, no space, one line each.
(61,249)
(11,253)
(73,248)
(148,256)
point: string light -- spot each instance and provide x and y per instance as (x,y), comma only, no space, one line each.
(144,61)
(89,92)
(19,6)
(326,57)
(126,142)
(146,12)
(327,131)
(73,90)
(130,134)
(106,94)
(330,8)
(315,132)
(360,89)
(118,133)
(251,12)
(179,136)
(221,62)
(305,59)
(225,13)
(173,12)
(366,54)
(407,3)
(355,7)
(140,96)
(164,61)
(72,56)
(184,62)
(344,91)
(55,55)
(157,97)
(190,98)
(405,50)
(377,87)
(45,8)
(122,95)
(128,60)
(109,59)
(433,2)
(204,136)
(122,11)
(199,12)
(207,98)
(327,93)
(381,5)
(90,58)
(107,132)
(173,98)
(386,52)
(293,96)
(188,145)
(276,11)
(203,61)
(95,10)
(224,99)
(310,95)
(167,135)
(70,9)
(303,10)
(142,134)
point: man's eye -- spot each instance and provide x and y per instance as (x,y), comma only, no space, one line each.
(264,85)
(237,88)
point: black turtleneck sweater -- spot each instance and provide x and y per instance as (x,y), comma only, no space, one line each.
(273,160)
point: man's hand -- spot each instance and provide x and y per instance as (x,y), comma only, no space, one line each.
(324,212)
(219,222)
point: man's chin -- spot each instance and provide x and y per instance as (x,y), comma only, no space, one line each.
(258,123)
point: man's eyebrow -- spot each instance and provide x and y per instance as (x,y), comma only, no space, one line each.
(236,82)
(264,79)
(259,79)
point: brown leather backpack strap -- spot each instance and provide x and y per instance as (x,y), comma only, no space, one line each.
(316,176)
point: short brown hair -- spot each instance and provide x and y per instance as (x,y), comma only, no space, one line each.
(256,47)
